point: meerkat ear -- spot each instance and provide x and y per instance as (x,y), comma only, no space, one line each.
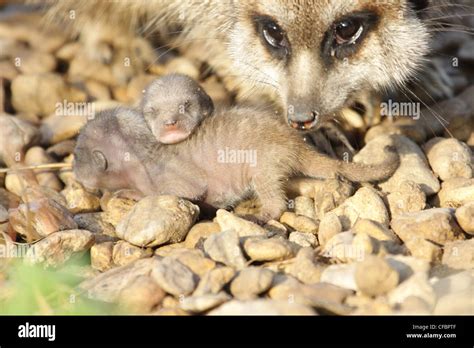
(100,160)
(419,5)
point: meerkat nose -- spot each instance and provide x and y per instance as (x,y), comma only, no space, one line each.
(171,122)
(303,121)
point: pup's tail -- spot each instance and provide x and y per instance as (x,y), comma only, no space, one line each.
(318,165)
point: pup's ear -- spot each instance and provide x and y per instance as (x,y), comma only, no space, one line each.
(100,160)
(419,6)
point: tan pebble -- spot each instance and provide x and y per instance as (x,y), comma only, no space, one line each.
(305,268)
(40,218)
(274,249)
(303,239)
(244,228)
(374,230)
(201,231)
(101,256)
(224,247)
(141,295)
(456,192)
(330,226)
(173,277)
(40,93)
(116,208)
(449,158)
(365,204)
(97,90)
(194,259)
(15,137)
(79,200)
(182,66)
(459,254)
(58,247)
(375,277)
(300,223)
(436,224)
(37,156)
(95,223)
(68,51)
(157,220)
(465,217)
(250,282)
(408,198)
(305,206)
(198,304)
(125,253)
(214,280)
(31,62)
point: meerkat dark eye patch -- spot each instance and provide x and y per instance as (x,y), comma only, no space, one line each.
(344,37)
(419,5)
(272,36)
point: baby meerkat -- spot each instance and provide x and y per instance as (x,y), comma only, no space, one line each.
(173,106)
(236,153)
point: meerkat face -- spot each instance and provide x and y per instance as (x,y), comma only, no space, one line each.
(174,106)
(314,55)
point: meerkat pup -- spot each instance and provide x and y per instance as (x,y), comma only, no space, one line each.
(174,105)
(236,153)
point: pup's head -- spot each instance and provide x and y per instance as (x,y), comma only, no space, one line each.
(314,55)
(102,157)
(173,106)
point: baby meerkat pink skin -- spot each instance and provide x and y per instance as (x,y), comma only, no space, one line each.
(236,153)
(173,106)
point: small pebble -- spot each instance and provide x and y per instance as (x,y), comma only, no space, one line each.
(375,277)
(465,217)
(174,277)
(224,247)
(273,249)
(244,228)
(251,282)
(58,247)
(157,220)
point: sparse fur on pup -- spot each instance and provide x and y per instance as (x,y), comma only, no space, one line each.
(236,153)
(174,106)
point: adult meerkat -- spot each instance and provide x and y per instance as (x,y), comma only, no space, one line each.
(311,56)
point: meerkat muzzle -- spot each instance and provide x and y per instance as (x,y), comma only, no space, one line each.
(303,121)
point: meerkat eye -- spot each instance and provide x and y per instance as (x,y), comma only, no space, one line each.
(150,111)
(100,160)
(273,36)
(345,36)
(348,31)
